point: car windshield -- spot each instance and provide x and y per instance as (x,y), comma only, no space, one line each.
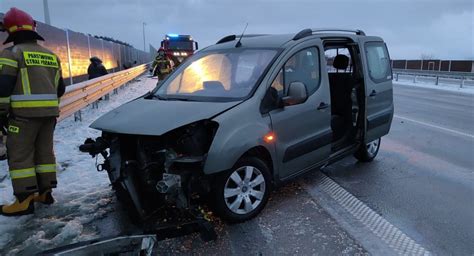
(219,76)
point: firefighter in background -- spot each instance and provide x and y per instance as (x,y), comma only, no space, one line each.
(30,87)
(162,65)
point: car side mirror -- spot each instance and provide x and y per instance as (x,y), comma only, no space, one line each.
(297,94)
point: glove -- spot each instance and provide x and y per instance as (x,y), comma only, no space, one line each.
(3,134)
(3,124)
(3,148)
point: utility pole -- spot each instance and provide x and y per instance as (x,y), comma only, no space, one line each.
(144,24)
(46,12)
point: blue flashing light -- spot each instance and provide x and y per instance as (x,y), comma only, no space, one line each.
(173,35)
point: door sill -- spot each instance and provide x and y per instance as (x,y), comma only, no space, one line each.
(332,158)
(343,152)
(305,170)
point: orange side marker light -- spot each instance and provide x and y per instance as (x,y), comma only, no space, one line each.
(269,138)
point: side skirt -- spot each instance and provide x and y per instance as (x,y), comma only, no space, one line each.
(332,158)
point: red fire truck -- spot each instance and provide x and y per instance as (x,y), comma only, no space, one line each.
(179,47)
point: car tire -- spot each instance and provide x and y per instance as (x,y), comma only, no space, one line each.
(367,152)
(241,193)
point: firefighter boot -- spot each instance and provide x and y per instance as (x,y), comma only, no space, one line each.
(44,197)
(23,205)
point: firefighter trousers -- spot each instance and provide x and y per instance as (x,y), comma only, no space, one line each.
(30,154)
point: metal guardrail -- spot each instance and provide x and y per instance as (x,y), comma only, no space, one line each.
(463,76)
(436,73)
(80,95)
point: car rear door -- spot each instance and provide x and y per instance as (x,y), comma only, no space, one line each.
(378,87)
(303,131)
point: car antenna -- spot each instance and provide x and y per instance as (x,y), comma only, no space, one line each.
(238,44)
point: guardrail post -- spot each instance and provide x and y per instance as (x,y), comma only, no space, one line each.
(95,105)
(437,80)
(396,79)
(115,91)
(107,96)
(414,79)
(462,82)
(78,116)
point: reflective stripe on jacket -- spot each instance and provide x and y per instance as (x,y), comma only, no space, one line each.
(164,66)
(38,73)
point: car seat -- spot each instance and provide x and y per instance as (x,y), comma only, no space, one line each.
(341,85)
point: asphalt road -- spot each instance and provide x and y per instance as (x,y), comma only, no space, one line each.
(291,224)
(422,180)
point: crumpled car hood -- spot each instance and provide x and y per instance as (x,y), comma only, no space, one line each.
(156,117)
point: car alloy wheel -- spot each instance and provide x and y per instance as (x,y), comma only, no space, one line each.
(367,152)
(244,190)
(372,147)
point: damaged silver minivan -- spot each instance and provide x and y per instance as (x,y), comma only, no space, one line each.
(246,114)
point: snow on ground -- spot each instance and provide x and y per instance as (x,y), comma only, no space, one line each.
(452,85)
(83,194)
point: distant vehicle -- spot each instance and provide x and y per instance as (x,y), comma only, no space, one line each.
(179,47)
(246,114)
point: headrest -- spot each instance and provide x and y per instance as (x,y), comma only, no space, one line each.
(213,85)
(341,62)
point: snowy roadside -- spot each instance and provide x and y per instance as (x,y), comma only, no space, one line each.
(467,89)
(83,194)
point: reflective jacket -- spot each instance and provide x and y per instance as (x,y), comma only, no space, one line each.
(38,74)
(162,64)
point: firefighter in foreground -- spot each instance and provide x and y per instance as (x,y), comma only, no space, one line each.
(162,65)
(30,87)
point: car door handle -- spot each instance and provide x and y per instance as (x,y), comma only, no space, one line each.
(373,93)
(323,105)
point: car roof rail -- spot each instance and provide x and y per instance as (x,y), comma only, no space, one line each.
(307,32)
(233,37)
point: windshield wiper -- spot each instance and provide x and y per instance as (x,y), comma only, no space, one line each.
(152,96)
(180,99)
(160,97)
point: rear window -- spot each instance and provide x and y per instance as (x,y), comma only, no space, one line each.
(378,62)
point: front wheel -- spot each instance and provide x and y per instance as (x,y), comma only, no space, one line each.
(367,152)
(241,193)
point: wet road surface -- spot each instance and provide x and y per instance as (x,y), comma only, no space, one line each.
(422,180)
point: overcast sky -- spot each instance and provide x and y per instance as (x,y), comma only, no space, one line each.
(441,28)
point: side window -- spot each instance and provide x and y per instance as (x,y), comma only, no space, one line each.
(301,67)
(378,62)
(278,83)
